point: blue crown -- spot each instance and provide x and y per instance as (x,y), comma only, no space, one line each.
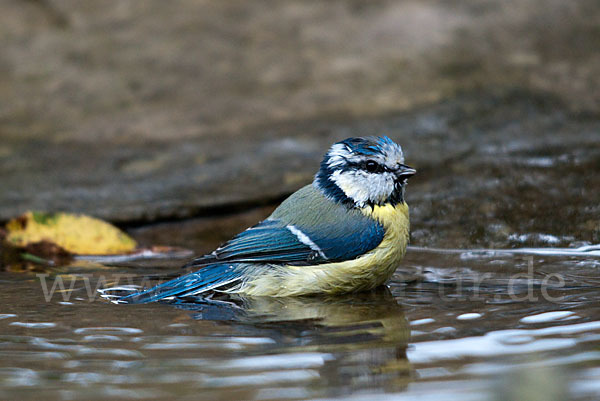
(370,145)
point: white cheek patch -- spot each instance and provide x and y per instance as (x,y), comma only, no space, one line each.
(363,187)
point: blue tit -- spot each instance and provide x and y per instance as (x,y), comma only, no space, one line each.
(345,232)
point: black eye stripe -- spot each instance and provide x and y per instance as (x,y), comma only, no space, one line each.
(362,165)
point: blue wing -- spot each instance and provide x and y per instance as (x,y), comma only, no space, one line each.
(206,279)
(270,241)
(305,230)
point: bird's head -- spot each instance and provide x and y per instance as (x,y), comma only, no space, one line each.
(364,171)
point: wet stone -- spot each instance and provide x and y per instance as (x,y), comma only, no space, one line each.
(142,112)
(505,169)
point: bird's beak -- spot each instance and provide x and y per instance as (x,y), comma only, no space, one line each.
(403,172)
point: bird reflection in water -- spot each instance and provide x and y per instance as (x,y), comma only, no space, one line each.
(365,334)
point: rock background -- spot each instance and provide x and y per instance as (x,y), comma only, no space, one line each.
(145,111)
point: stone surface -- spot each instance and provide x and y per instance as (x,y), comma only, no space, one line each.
(507,170)
(142,111)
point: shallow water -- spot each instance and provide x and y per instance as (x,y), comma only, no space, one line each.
(466,325)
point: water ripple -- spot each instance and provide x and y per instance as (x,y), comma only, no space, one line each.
(116,352)
(548,317)
(264,378)
(30,325)
(108,330)
(502,342)
(280,361)
(469,316)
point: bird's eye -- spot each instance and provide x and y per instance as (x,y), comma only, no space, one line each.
(372,166)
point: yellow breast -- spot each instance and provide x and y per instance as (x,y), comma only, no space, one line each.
(364,273)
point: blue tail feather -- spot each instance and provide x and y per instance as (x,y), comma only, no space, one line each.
(205,279)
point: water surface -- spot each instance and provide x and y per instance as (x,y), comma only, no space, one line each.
(451,325)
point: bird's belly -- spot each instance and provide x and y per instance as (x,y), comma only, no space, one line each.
(363,273)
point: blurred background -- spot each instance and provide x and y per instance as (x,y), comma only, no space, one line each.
(153,111)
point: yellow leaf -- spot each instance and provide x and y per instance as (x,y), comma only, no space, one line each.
(76,233)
